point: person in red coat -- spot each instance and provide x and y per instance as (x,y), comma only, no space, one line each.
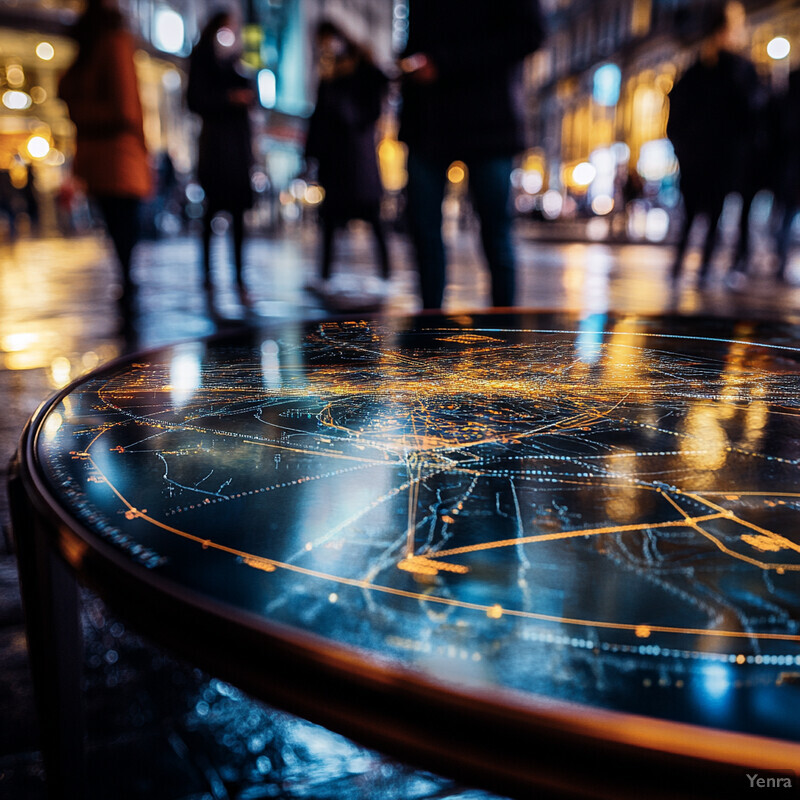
(101,92)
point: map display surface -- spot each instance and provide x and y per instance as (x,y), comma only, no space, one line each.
(602,510)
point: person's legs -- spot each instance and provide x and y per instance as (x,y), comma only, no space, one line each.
(490,187)
(326,248)
(237,225)
(689,216)
(742,254)
(784,236)
(714,212)
(374,219)
(426,182)
(121,216)
(208,218)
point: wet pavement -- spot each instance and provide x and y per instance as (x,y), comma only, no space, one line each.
(159,728)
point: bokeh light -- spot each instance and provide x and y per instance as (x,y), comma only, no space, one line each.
(779,48)
(583,174)
(169,32)
(16,101)
(45,51)
(37,147)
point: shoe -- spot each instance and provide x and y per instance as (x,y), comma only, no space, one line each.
(741,265)
(736,280)
(345,283)
(703,276)
(348,303)
(245,297)
(377,287)
(318,286)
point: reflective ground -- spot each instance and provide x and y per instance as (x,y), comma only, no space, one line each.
(159,729)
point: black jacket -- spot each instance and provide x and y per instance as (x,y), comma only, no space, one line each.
(475,107)
(787,143)
(341,137)
(225,149)
(713,125)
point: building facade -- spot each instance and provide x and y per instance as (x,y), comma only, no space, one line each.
(598,93)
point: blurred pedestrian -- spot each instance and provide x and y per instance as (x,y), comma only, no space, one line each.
(222,95)
(65,207)
(787,192)
(102,94)
(8,205)
(712,123)
(162,216)
(757,170)
(342,140)
(463,100)
(30,199)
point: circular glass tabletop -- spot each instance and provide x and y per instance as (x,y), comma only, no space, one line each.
(600,510)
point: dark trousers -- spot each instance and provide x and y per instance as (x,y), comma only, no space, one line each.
(490,189)
(788,212)
(329,227)
(713,209)
(742,253)
(237,225)
(121,216)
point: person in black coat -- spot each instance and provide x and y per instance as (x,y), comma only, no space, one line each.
(341,140)
(463,100)
(711,125)
(222,97)
(787,145)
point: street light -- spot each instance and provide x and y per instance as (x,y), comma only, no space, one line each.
(15,100)
(169,33)
(583,174)
(779,48)
(45,51)
(38,147)
(606,85)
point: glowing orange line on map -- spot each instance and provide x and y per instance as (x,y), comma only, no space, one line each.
(687,521)
(268,565)
(784,542)
(551,537)
(733,495)
(780,541)
(589,418)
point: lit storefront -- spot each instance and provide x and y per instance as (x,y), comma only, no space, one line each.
(35,133)
(599,102)
(37,138)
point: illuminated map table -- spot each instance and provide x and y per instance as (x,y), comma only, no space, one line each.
(534,551)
